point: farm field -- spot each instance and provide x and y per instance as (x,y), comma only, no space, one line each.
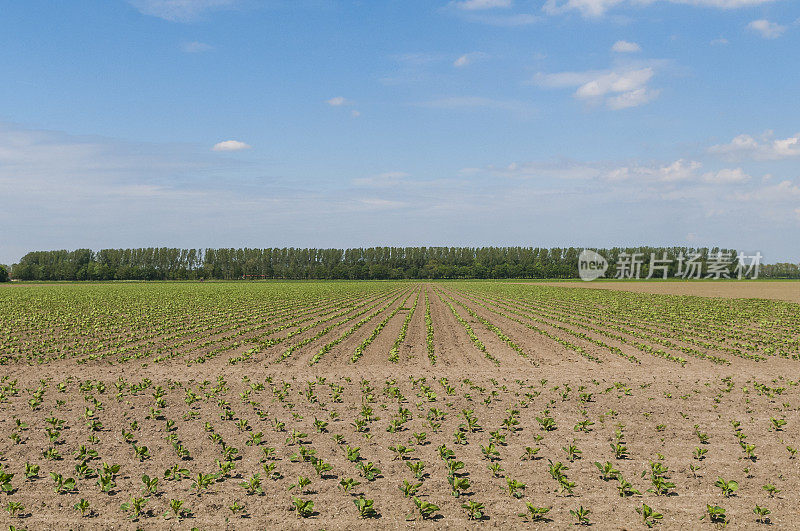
(395,404)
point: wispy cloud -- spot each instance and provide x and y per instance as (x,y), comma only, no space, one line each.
(195,47)
(626,47)
(765,148)
(477,5)
(230,145)
(767,29)
(723,4)
(377,203)
(337,101)
(726,176)
(566,169)
(588,8)
(469,58)
(678,172)
(181,10)
(501,20)
(386,179)
(618,88)
(784,192)
(341,101)
(597,8)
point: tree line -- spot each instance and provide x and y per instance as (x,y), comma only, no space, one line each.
(163,263)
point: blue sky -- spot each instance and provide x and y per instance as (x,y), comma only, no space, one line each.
(271,123)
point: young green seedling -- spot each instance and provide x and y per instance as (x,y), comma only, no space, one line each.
(475,510)
(82,506)
(515,487)
(534,514)
(303,508)
(649,516)
(458,485)
(762,514)
(426,509)
(302,483)
(607,470)
(728,487)
(253,485)
(366,508)
(716,514)
(581,514)
(135,507)
(150,485)
(417,468)
(409,489)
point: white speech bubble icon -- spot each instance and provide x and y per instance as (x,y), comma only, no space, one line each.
(591,265)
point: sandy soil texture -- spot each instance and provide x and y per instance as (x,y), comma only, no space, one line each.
(509,396)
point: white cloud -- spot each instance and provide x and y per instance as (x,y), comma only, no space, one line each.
(626,47)
(722,41)
(588,8)
(195,47)
(492,12)
(355,114)
(783,192)
(687,170)
(726,176)
(597,8)
(386,179)
(506,21)
(674,172)
(338,101)
(559,169)
(468,58)
(766,148)
(376,203)
(767,29)
(680,170)
(620,88)
(181,10)
(230,145)
(475,5)
(632,98)
(723,4)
